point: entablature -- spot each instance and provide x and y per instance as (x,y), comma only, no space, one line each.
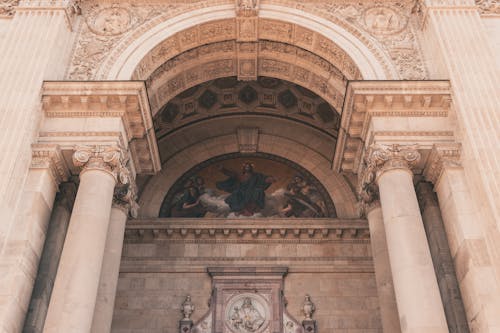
(100,114)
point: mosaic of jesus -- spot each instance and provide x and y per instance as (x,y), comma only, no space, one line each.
(249,187)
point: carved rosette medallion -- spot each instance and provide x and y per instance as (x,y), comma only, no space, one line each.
(247,313)
(111,21)
(384,21)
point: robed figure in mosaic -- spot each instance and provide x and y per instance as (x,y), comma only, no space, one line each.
(247,190)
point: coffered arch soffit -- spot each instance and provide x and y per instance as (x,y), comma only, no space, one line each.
(132,52)
(220,59)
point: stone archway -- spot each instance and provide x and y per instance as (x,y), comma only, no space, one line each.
(369,57)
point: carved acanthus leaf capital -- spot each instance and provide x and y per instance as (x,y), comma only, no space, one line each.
(111,159)
(48,156)
(442,156)
(125,194)
(382,158)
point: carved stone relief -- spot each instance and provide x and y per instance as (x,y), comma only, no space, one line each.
(247,313)
(111,28)
(8,8)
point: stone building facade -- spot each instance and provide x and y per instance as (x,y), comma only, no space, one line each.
(250,166)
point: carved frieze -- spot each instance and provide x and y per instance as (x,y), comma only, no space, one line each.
(488,7)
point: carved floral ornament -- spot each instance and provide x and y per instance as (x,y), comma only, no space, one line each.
(441,157)
(119,25)
(111,159)
(48,156)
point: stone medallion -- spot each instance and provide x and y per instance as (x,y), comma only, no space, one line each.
(247,313)
(384,21)
(111,21)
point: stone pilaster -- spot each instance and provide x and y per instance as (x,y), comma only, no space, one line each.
(49,261)
(466,238)
(22,248)
(441,257)
(456,28)
(417,293)
(40,28)
(74,297)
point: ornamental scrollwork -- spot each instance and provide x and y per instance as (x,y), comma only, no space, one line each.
(107,158)
(381,158)
(8,8)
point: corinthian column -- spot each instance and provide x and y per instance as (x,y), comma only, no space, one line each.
(383,277)
(416,289)
(124,201)
(75,291)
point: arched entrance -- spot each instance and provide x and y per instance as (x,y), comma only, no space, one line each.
(220,97)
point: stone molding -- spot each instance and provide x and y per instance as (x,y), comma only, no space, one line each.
(267,229)
(111,159)
(70,8)
(367,99)
(442,156)
(49,156)
(111,99)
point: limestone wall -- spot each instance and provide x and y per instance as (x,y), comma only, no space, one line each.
(335,267)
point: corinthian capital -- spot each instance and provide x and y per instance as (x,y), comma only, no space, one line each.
(111,159)
(442,156)
(382,158)
(125,194)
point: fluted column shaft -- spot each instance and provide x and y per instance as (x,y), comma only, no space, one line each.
(74,296)
(383,277)
(103,313)
(416,289)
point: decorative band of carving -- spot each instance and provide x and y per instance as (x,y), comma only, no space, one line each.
(442,156)
(111,159)
(48,156)
(380,159)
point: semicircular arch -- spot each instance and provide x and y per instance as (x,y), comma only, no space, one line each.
(337,187)
(327,38)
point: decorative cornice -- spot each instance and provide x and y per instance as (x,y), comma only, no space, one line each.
(49,156)
(8,8)
(111,159)
(71,8)
(127,100)
(265,229)
(442,156)
(367,99)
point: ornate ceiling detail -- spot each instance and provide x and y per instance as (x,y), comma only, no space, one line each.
(266,96)
(218,60)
